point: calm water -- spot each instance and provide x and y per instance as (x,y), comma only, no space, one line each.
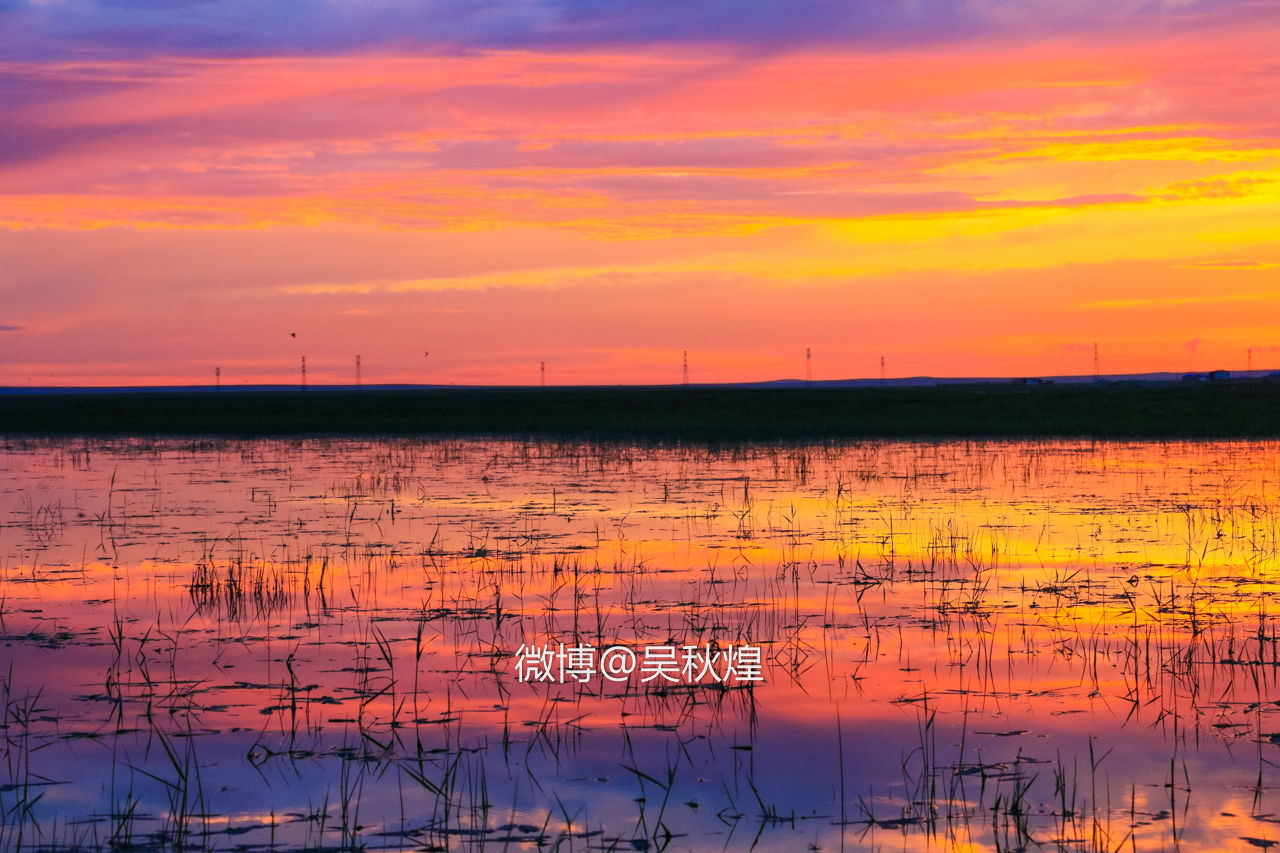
(964,646)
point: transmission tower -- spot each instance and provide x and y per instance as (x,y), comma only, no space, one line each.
(686,367)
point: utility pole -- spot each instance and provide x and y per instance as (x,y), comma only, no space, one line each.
(542,366)
(1097,374)
(1251,360)
(881,371)
(217,377)
(808,365)
(304,371)
(357,371)
(686,367)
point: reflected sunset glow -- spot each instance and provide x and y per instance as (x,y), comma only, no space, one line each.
(954,633)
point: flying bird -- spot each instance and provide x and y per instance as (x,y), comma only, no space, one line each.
(293,334)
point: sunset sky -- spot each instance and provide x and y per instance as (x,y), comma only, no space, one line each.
(965,187)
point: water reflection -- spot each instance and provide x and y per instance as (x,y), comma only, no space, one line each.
(966,645)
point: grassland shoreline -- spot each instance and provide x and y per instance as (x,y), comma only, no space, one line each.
(1120,410)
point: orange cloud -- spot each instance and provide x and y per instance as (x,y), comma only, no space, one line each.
(343,191)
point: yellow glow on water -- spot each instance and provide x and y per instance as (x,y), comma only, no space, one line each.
(1027,600)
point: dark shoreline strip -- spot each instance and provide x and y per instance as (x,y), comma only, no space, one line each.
(708,413)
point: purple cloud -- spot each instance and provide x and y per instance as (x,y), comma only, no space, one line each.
(251,27)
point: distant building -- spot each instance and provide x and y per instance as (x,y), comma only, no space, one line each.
(1219,375)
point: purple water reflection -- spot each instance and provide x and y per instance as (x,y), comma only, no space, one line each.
(244,645)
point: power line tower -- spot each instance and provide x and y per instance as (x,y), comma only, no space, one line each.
(881,371)
(304,371)
(686,367)
(357,371)
(808,365)
(1097,373)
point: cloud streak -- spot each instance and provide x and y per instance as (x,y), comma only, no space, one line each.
(227,168)
(226,28)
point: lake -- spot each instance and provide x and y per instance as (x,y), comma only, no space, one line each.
(492,644)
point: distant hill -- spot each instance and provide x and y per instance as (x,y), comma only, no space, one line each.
(898,382)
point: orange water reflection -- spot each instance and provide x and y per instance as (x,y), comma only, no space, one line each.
(966,645)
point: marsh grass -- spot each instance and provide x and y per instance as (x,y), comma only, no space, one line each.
(316,650)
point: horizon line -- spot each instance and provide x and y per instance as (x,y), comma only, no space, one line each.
(901,381)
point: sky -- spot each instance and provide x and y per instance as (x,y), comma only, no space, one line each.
(461,191)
